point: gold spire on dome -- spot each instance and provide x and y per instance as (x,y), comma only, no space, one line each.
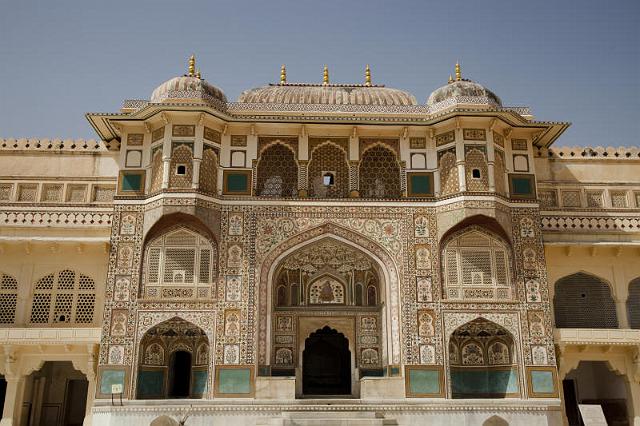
(458,72)
(325,76)
(198,75)
(367,76)
(283,74)
(192,65)
(450,79)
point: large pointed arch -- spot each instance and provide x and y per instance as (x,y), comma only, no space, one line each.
(584,300)
(388,267)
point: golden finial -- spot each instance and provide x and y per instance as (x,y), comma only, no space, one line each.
(367,76)
(450,79)
(192,65)
(325,76)
(283,74)
(458,72)
(198,74)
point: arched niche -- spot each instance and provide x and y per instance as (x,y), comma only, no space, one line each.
(633,304)
(387,298)
(379,173)
(173,361)
(583,300)
(277,171)
(477,265)
(326,272)
(179,263)
(483,361)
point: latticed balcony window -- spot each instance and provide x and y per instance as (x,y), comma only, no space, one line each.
(8,298)
(179,264)
(477,267)
(64,297)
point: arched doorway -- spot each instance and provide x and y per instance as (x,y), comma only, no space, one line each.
(326,364)
(593,382)
(482,361)
(179,374)
(173,361)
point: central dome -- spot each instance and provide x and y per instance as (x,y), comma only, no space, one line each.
(328,94)
(187,87)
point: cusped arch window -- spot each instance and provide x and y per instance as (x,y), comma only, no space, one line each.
(379,173)
(633,304)
(180,264)
(277,172)
(64,297)
(584,301)
(477,267)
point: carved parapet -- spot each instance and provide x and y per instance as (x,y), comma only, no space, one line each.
(596,153)
(49,145)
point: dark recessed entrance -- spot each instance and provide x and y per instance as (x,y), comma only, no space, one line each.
(180,374)
(326,364)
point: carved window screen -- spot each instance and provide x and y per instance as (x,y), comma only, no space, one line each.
(179,260)
(8,298)
(477,267)
(64,297)
(379,174)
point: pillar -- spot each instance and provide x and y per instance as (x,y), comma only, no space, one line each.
(490,161)
(13,400)
(91,371)
(462,178)
(166,156)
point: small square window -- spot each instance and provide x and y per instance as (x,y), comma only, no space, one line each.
(181,169)
(475,173)
(328,179)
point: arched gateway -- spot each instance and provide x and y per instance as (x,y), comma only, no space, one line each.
(328,318)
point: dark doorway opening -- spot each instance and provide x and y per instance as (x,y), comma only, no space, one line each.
(326,364)
(76,402)
(3,394)
(180,374)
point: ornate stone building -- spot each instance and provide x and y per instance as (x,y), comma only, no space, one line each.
(318,252)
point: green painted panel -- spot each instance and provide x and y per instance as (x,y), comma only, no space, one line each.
(199,382)
(424,381)
(131,182)
(109,378)
(483,382)
(150,384)
(542,382)
(237,182)
(234,380)
(420,185)
(522,186)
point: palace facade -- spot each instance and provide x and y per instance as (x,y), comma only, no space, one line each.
(318,253)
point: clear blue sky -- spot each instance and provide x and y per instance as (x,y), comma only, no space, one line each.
(576,61)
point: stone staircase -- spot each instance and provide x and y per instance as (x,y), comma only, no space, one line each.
(329,418)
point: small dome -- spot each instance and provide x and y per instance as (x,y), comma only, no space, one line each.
(191,88)
(328,94)
(463,92)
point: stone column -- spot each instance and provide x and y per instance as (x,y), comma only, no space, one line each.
(15,388)
(462,178)
(166,156)
(91,371)
(490,161)
(621,312)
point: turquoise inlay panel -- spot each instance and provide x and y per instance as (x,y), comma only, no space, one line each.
(522,186)
(424,381)
(150,383)
(234,380)
(482,382)
(131,182)
(420,184)
(542,382)
(199,385)
(237,182)
(111,377)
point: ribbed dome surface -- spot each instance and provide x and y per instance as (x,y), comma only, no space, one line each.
(465,91)
(333,94)
(187,88)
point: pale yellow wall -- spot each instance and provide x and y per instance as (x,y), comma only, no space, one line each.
(42,259)
(616,265)
(67,165)
(588,171)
